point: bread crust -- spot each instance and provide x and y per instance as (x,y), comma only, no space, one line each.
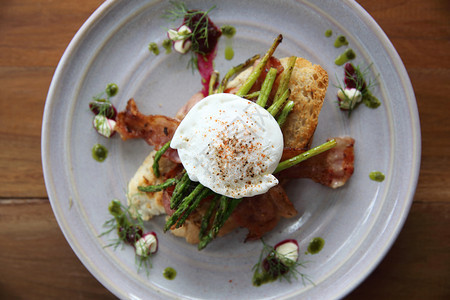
(308,85)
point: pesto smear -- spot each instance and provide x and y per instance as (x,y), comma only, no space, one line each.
(348,55)
(340,41)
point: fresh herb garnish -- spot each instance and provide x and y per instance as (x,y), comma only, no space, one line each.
(358,78)
(129,229)
(203,35)
(270,268)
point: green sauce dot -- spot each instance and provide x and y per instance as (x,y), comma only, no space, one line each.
(316,245)
(328,33)
(111,89)
(229,53)
(169,273)
(167,44)
(99,152)
(153,47)
(228,31)
(340,41)
(377,176)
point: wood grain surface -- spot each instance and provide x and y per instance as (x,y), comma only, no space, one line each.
(36,262)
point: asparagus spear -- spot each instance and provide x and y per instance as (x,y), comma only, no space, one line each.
(197,199)
(212,82)
(305,155)
(158,187)
(285,112)
(184,205)
(235,70)
(180,188)
(252,95)
(205,220)
(257,71)
(226,208)
(266,87)
(158,155)
(278,104)
(285,78)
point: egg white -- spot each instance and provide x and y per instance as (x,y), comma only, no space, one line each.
(230,145)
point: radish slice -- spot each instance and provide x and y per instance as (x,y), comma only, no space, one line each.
(104,126)
(287,252)
(184,30)
(147,244)
(172,34)
(182,46)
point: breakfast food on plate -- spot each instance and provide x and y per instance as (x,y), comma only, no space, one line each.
(229,147)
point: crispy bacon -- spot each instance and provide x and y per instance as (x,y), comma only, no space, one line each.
(182,112)
(261,213)
(156,130)
(332,168)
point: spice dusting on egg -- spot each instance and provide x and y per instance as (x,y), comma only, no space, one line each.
(239,147)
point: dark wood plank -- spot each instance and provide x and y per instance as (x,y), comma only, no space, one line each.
(36,261)
(418,265)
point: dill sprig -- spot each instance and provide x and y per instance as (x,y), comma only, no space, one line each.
(270,268)
(102,105)
(129,230)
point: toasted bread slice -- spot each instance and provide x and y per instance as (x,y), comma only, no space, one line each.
(308,85)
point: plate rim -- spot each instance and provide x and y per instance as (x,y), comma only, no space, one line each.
(103,10)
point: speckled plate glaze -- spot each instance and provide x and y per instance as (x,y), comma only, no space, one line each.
(358,222)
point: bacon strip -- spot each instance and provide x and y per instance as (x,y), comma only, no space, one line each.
(156,130)
(261,213)
(332,168)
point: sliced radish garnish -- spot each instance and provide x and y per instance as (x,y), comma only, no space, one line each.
(287,251)
(104,126)
(147,244)
(182,46)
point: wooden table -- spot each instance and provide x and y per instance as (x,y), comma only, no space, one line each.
(37,262)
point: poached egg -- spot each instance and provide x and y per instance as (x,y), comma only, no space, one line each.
(230,145)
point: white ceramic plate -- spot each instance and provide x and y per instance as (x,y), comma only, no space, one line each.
(358,222)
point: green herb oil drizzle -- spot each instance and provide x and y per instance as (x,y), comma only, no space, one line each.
(169,273)
(99,152)
(316,245)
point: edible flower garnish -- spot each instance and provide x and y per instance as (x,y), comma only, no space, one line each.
(279,262)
